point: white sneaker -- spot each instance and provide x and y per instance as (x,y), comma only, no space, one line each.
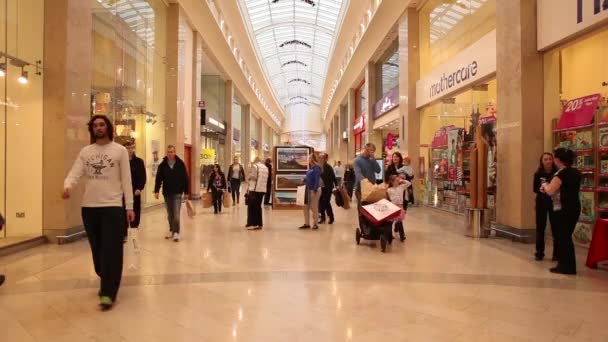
(176,237)
(169,235)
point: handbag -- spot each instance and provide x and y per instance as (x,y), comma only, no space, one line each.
(301,195)
(207,200)
(338,198)
(345,197)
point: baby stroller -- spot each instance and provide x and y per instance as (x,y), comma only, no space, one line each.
(369,231)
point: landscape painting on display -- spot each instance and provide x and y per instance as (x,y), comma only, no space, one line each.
(292,158)
(289,182)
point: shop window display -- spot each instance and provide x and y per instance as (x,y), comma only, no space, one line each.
(448,132)
(129,75)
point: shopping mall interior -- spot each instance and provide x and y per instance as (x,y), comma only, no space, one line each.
(471,94)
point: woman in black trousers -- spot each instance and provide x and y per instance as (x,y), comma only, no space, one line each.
(544,205)
(217,185)
(564,191)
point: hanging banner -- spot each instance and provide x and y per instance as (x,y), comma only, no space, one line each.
(578,112)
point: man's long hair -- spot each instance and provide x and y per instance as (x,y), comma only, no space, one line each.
(109,131)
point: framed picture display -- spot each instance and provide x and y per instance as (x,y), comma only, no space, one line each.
(292,159)
(288,181)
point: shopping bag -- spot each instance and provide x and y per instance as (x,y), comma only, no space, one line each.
(190,209)
(207,200)
(133,249)
(380,211)
(338,198)
(227,199)
(345,197)
(372,193)
(301,195)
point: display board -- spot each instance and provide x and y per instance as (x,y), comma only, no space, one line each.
(290,164)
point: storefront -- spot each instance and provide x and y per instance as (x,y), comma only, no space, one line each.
(129,76)
(360,119)
(21,98)
(457,99)
(575,96)
(213,140)
(237,144)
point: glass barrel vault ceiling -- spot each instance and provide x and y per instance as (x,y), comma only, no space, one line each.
(294,40)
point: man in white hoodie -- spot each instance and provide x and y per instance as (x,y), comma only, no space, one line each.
(105,165)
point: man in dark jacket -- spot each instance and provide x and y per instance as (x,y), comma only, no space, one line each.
(268,195)
(138,179)
(173,177)
(328,177)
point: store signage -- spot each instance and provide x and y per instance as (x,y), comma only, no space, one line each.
(359,126)
(558,20)
(202,104)
(579,112)
(471,65)
(387,103)
(441,137)
(486,120)
(207,156)
(215,125)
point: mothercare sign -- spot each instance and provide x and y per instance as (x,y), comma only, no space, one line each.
(559,20)
(469,66)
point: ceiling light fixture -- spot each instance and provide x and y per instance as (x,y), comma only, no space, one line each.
(294,62)
(310,2)
(296,42)
(299,80)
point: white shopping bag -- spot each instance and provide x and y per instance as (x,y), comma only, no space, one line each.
(133,249)
(301,195)
(380,211)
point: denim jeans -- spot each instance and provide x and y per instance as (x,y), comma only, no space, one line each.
(173,203)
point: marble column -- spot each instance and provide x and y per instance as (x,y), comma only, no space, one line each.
(371,135)
(520,111)
(228,146)
(351,108)
(260,136)
(175,123)
(195,156)
(246,135)
(409,73)
(343,127)
(68,70)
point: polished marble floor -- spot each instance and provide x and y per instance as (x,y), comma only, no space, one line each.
(222,283)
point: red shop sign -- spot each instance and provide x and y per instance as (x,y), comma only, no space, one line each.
(359,126)
(579,112)
(441,137)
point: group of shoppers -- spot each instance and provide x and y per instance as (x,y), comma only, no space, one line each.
(320,182)
(557,185)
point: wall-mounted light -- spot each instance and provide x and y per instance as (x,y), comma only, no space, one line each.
(2,69)
(23,79)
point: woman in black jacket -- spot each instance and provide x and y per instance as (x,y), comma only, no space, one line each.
(564,190)
(349,180)
(217,185)
(544,205)
(396,164)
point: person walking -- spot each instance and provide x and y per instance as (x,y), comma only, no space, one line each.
(328,185)
(564,191)
(544,205)
(237,175)
(408,171)
(173,178)
(258,176)
(339,171)
(138,181)
(268,195)
(313,193)
(217,186)
(105,165)
(365,168)
(349,179)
